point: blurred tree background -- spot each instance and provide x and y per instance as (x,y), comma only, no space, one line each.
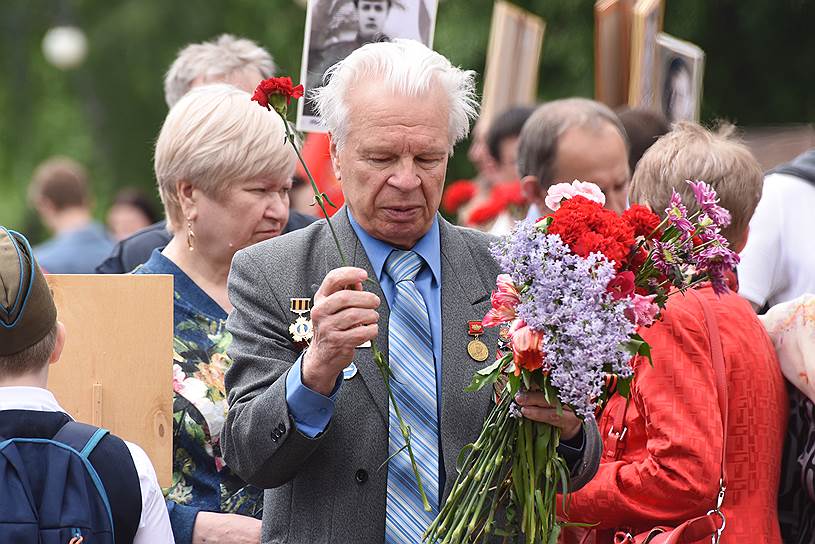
(107,112)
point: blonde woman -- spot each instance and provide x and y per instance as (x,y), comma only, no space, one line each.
(224,174)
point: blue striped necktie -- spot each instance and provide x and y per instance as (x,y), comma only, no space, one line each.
(413,373)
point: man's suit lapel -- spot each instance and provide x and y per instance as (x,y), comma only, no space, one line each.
(355,254)
(464,298)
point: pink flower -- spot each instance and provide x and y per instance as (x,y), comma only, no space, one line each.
(178,378)
(564,191)
(643,312)
(504,300)
(526,347)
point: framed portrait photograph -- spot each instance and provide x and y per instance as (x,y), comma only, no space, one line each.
(679,81)
(647,20)
(335,28)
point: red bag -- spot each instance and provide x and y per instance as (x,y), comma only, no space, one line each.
(707,528)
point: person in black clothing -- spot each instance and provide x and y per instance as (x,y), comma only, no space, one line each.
(136,249)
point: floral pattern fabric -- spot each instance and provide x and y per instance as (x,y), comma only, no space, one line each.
(201,480)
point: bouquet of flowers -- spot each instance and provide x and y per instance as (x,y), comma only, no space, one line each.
(576,285)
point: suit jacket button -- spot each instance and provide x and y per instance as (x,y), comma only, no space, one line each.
(281,428)
(361,476)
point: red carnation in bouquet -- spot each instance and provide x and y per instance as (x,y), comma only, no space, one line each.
(586,227)
(642,219)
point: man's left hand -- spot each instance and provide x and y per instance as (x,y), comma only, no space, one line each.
(534,407)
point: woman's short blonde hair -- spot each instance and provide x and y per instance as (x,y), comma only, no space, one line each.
(691,152)
(214,136)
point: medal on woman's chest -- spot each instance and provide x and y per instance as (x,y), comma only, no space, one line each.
(476,348)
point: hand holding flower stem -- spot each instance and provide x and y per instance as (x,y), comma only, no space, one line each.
(277,92)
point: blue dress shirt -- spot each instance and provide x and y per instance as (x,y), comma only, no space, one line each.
(312,411)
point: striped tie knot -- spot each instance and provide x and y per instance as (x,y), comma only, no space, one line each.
(403,265)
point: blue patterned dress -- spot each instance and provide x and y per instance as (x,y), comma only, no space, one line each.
(201,480)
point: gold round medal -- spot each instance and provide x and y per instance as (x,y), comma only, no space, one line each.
(478,350)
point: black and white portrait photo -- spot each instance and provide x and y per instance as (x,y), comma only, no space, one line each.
(335,28)
(679,83)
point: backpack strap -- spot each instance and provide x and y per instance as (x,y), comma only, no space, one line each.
(81,437)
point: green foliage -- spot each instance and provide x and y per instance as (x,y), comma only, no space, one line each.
(107,113)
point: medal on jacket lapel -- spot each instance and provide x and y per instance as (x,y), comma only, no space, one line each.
(476,348)
(301,329)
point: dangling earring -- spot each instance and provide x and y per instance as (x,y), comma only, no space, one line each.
(190,235)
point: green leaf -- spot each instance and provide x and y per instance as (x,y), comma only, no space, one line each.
(325,197)
(637,346)
(624,387)
(485,376)
(463,456)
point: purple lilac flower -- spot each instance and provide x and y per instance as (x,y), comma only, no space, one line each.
(709,202)
(566,299)
(678,215)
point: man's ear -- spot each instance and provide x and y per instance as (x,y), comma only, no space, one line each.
(59,344)
(531,189)
(335,158)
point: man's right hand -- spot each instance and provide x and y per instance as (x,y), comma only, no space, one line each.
(344,316)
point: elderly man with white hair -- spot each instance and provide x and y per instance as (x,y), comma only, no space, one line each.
(314,427)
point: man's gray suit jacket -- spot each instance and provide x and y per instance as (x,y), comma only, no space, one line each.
(331,489)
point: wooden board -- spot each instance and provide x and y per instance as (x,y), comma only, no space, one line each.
(612,51)
(116,371)
(513,60)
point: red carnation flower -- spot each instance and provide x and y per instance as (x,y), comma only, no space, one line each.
(642,219)
(457,194)
(586,227)
(274,91)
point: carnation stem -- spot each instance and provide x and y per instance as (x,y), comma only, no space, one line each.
(318,196)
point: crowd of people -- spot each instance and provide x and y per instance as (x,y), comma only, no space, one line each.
(287,441)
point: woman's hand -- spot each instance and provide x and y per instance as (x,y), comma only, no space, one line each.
(534,407)
(214,528)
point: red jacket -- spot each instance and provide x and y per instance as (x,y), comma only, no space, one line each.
(669,469)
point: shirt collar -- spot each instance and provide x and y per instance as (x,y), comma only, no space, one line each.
(35,399)
(192,295)
(428,247)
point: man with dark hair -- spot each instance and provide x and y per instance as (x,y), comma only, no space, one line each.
(643,127)
(502,140)
(59,192)
(31,340)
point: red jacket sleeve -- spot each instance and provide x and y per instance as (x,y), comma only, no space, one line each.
(677,474)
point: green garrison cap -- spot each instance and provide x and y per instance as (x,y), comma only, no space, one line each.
(27,311)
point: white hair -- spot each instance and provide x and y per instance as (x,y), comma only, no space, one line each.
(405,68)
(214,136)
(214,61)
